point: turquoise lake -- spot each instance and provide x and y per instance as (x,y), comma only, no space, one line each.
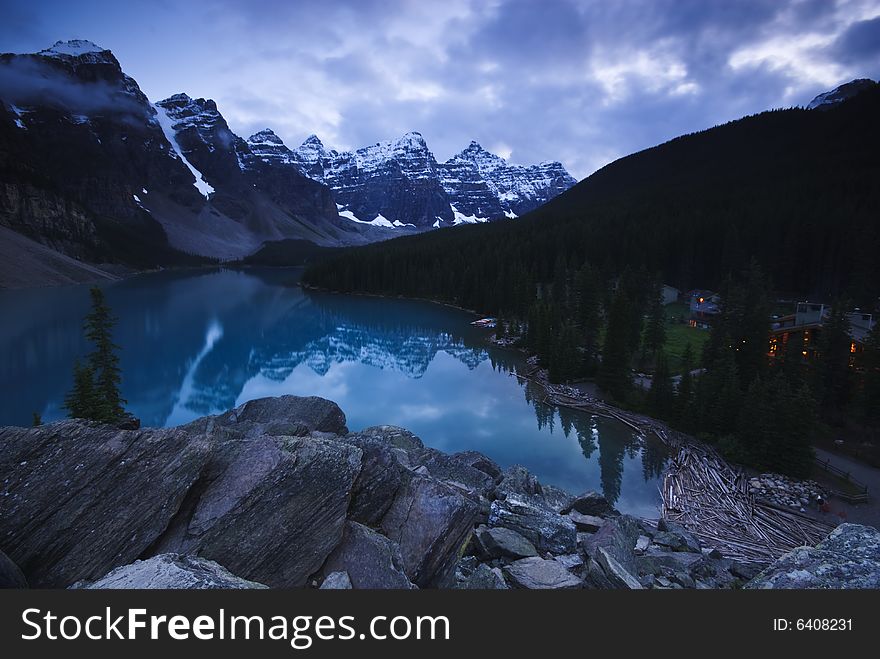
(200,342)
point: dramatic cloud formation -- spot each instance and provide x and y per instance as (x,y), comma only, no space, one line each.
(583,82)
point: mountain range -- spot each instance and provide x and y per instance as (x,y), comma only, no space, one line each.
(93,172)
(795,191)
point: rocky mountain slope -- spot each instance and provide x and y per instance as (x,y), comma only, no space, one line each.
(278,492)
(90,168)
(399,183)
(839,94)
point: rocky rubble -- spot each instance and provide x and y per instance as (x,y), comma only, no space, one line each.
(784,491)
(278,493)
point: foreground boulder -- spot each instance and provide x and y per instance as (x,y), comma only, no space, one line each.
(78,499)
(369,559)
(431,523)
(172,571)
(848,558)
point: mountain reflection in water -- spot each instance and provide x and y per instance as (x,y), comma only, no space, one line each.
(201,342)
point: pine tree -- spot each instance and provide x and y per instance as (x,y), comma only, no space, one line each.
(95,394)
(869,400)
(655,330)
(614,372)
(833,373)
(81,402)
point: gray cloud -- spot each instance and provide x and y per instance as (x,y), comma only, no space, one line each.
(27,82)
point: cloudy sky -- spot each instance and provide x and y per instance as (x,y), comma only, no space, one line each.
(579,81)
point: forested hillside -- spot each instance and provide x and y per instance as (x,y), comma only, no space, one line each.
(782,203)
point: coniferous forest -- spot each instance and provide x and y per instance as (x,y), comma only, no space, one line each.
(784,204)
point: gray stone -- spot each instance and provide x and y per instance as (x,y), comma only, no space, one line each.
(300,485)
(378,480)
(288,416)
(555,498)
(590,503)
(479,461)
(655,560)
(456,471)
(642,544)
(369,558)
(572,562)
(675,537)
(538,573)
(431,523)
(172,571)
(10,575)
(853,541)
(619,575)
(587,523)
(517,480)
(848,558)
(79,498)
(397,438)
(547,531)
(484,578)
(500,542)
(336,581)
(618,536)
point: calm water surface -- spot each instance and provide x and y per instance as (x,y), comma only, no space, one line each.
(201,342)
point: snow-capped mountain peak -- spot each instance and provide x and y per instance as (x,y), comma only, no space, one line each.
(840,94)
(267,146)
(72,48)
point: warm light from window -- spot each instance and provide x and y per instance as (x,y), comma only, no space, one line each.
(852,347)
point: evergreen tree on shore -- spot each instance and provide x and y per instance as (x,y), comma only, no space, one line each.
(95,393)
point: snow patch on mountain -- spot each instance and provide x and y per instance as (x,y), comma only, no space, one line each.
(167,125)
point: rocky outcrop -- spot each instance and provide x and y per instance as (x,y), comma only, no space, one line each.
(848,558)
(79,499)
(171,571)
(277,492)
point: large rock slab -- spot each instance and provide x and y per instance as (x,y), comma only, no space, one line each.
(378,481)
(538,573)
(294,416)
(590,503)
(499,542)
(618,536)
(78,499)
(848,558)
(274,512)
(370,559)
(431,523)
(456,469)
(546,530)
(172,571)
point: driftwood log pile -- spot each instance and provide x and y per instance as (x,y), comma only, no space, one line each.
(701,491)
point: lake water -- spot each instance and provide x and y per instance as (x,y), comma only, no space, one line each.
(200,342)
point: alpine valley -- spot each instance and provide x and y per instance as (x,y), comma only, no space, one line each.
(95,179)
